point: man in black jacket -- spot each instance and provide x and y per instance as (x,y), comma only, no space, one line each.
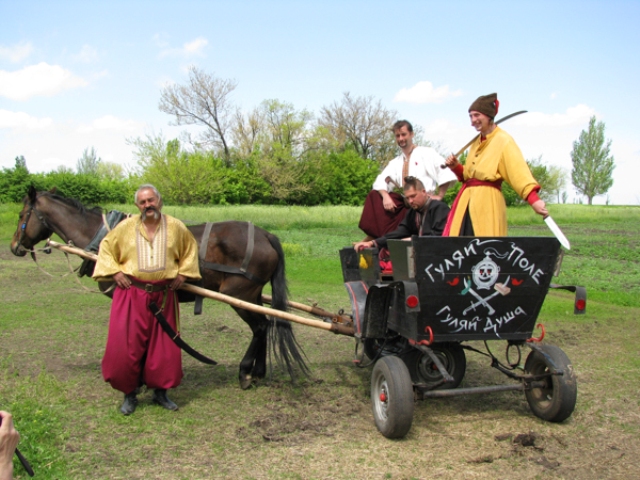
(427,216)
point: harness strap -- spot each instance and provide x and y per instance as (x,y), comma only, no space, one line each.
(230,269)
(205,236)
(249,252)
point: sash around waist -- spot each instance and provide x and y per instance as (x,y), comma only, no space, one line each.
(474,182)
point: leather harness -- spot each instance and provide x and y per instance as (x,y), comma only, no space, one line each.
(242,270)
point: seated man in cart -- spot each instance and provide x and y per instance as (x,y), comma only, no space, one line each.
(427,217)
(383,208)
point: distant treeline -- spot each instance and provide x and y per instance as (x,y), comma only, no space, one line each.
(199,178)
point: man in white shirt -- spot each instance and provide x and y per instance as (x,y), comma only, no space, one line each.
(383,209)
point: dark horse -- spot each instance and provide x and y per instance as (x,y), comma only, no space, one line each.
(45,213)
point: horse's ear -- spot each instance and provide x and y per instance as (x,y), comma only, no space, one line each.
(32,193)
(53,190)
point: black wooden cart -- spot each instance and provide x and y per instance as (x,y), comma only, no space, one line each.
(412,323)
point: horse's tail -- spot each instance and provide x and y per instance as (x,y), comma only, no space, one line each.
(279,287)
(281,340)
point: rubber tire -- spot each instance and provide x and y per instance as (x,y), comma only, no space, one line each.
(393,415)
(423,371)
(556,401)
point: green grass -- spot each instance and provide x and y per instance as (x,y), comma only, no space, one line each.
(52,337)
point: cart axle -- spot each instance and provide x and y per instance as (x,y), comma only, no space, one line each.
(471,390)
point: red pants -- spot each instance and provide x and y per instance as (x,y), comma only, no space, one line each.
(138,351)
(375,220)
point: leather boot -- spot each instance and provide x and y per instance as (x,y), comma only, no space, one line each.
(160,397)
(129,404)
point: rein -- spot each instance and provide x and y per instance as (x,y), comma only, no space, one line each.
(47,247)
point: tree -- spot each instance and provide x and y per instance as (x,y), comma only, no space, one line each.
(246,130)
(14,182)
(361,123)
(88,163)
(550,177)
(203,101)
(21,163)
(592,165)
(184,178)
(282,145)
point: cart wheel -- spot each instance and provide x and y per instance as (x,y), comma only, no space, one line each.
(556,400)
(425,372)
(392,397)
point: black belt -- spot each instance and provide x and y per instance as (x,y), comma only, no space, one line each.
(157,312)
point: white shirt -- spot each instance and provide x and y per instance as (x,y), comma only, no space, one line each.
(424,164)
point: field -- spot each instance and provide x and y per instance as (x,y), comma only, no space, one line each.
(53,331)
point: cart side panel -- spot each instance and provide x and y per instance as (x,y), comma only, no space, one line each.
(482,288)
(376,312)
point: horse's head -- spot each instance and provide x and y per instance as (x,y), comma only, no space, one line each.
(32,225)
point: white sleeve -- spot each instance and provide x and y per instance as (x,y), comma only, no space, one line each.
(389,171)
(432,162)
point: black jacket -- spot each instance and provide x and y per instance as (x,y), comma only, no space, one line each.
(433,223)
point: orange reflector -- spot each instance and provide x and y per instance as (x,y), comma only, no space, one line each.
(412,301)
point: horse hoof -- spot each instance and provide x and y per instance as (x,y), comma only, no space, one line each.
(246,382)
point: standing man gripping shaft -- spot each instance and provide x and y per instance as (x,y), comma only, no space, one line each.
(479,208)
(384,210)
(149,256)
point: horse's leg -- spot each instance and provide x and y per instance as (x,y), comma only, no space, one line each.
(254,363)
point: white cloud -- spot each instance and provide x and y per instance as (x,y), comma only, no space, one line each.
(40,79)
(109,122)
(87,54)
(16,53)
(22,120)
(577,115)
(190,49)
(424,92)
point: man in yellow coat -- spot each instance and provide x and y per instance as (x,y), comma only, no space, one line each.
(149,256)
(479,209)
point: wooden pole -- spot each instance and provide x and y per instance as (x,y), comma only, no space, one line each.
(332,327)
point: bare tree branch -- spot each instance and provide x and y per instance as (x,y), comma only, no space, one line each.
(204,101)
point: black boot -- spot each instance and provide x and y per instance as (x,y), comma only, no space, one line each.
(129,404)
(160,397)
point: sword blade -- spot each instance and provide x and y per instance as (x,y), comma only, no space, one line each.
(553,226)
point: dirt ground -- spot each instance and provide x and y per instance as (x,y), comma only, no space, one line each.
(52,340)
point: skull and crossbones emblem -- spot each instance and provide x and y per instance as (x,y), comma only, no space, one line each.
(484,276)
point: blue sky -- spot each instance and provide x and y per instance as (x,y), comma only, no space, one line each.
(85,74)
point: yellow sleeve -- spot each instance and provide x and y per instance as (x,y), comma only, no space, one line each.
(108,254)
(188,262)
(514,170)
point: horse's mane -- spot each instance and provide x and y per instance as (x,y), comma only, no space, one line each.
(74,203)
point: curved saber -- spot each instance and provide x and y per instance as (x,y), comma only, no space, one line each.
(474,138)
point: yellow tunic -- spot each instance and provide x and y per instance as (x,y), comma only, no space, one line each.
(127,249)
(497,158)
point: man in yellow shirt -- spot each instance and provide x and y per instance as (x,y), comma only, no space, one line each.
(149,256)
(479,208)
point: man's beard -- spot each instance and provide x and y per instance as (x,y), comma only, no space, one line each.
(155,214)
